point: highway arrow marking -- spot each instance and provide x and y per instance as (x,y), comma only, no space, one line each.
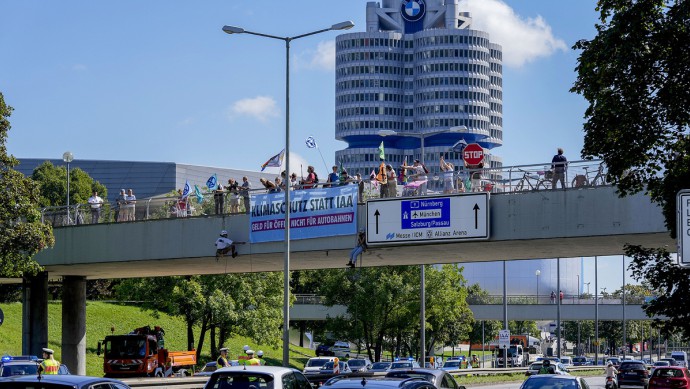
(476,216)
(377,214)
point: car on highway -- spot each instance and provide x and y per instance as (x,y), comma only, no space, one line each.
(210,367)
(440,378)
(669,377)
(345,382)
(380,366)
(404,364)
(65,381)
(580,361)
(343,368)
(632,373)
(534,368)
(661,364)
(614,360)
(452,365)
(554,381)
(314,365)
(25,367)
(567,361)
(671,361)
(323,349)
(359,364)
(257,377)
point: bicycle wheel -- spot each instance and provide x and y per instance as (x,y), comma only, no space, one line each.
(599,180)
(520,186)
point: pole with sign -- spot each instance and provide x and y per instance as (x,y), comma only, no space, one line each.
(473,154)
(503,344)
(683,230)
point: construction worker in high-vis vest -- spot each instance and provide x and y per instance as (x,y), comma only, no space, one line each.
(49,364)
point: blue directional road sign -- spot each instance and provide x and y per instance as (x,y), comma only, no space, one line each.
(428,219)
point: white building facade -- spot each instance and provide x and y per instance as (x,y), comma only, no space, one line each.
(418,71)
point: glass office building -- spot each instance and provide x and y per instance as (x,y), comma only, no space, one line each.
(418,71)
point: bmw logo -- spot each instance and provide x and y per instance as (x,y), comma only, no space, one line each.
(413,10)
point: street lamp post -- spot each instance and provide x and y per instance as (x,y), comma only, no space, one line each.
(587,283)
(422,292)
(286,266)
(537,273)
(68,157)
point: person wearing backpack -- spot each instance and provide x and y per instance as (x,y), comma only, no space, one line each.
(419,172)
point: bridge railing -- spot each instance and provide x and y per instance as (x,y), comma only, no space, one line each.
(507,179)
(547,299)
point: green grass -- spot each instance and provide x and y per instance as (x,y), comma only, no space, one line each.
(515,377)
(100,317)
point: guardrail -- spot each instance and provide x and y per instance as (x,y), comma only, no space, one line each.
(508,179)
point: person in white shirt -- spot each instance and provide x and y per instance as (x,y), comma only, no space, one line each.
(224,245)
(95,203)
(130,204)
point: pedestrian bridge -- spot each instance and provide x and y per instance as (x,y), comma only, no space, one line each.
(523,225)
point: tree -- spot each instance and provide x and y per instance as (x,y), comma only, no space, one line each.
(477,295)
(53,185)
(22,234)
(635,73)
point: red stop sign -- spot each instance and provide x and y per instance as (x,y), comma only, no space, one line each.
(473,154)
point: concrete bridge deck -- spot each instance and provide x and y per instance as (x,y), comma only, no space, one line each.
(527,225)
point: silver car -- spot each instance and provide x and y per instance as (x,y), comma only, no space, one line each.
(257,377)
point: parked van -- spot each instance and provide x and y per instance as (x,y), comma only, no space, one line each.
(681,358)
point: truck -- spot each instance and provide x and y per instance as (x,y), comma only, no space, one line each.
(524,349)
(517,356)
(142,353)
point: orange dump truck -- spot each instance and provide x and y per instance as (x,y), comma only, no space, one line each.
(142,353)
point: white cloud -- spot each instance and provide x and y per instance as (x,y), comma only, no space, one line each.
(523,39)
(261,108)
(79,67)
(323,58)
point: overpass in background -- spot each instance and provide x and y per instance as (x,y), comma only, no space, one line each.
(309,307)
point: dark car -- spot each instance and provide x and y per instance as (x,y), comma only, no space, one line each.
(67,381)
(25,367)
(210,367)
(554,381)
(671,361)
(440,378)
(633,373)
(344,382)
(380,366)
(324,349)
(669,377)
(580,361)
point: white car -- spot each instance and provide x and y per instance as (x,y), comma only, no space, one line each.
(257,377)
(340,349)
(314,365)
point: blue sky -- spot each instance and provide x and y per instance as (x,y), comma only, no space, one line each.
(160,81)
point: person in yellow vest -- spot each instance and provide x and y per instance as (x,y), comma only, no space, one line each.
(260,355)
(222,360)
(253,361)
(49,364)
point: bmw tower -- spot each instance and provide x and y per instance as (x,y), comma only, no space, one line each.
(418,72)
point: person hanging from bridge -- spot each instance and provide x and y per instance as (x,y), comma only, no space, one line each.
(359,248)
(224,245)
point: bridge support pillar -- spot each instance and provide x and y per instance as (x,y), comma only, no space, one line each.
(74,324)
(35,314)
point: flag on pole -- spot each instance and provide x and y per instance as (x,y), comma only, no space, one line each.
(382,155)
(199,196)
(186,190)
(212,182)
(311,142)
(274,161)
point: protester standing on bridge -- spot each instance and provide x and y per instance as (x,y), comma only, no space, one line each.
(95,202)
(224,245)
(130,205)
(49,364)
(447,169)
(560,295)
(559,163)
(419,175)
(392,181)
(553,297)
(244,189)
(359,248)
(233,192)
(120,206)
(222,360)
(219,199)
